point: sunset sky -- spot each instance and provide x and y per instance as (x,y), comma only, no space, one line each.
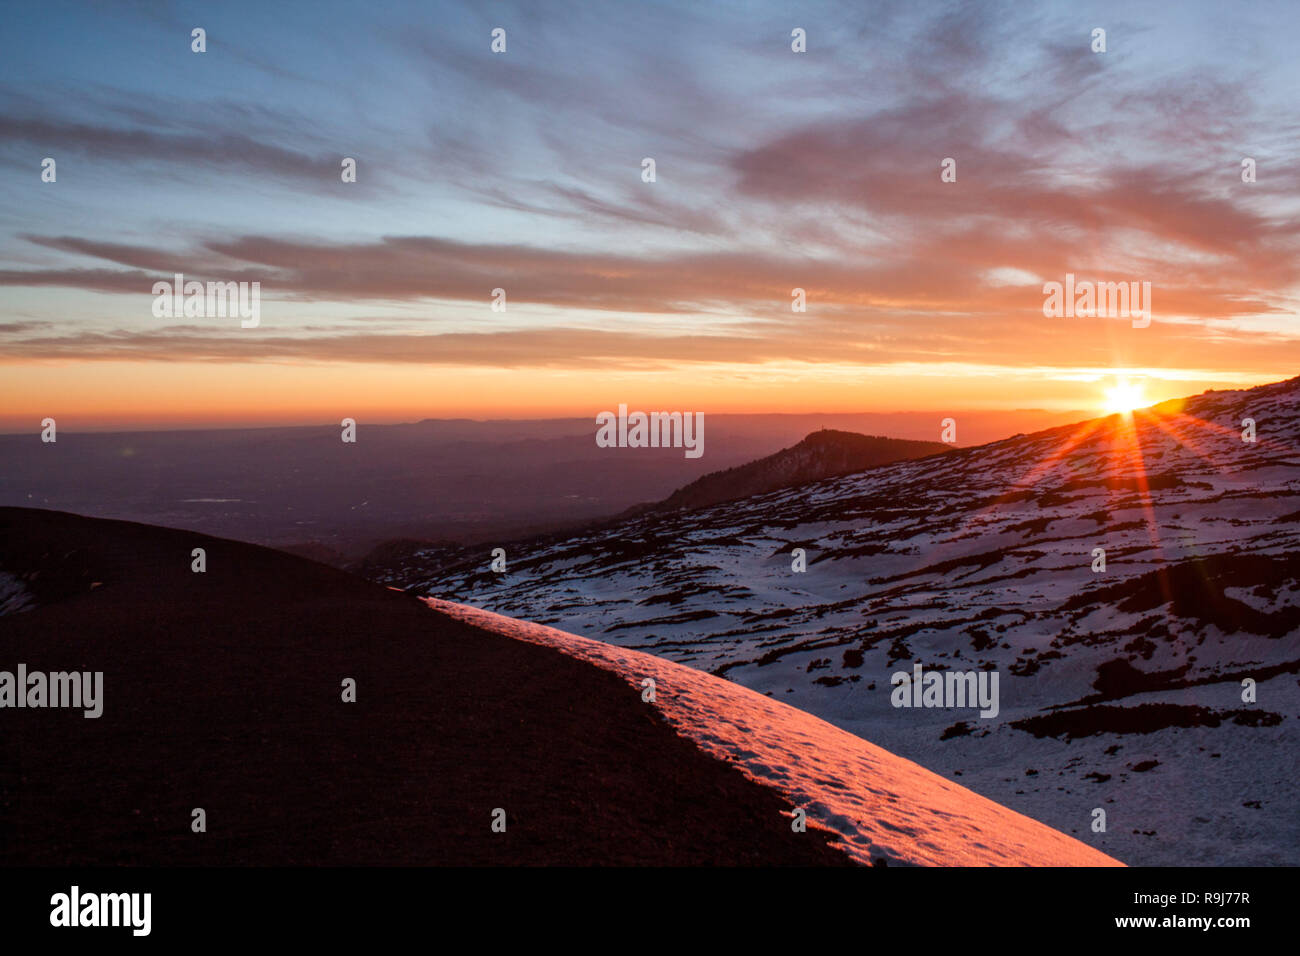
(522,171)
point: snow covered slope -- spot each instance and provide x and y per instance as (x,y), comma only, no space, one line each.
(1120,689)
(886,809)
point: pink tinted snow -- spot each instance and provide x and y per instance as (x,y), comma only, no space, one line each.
(880,805)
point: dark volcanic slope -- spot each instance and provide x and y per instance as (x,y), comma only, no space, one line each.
(222,691)
(823,454)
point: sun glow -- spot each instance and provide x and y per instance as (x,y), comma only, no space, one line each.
(1123,397)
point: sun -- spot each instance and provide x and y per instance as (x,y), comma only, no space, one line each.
(1123,397)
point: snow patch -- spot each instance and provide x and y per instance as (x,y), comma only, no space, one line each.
(880,805)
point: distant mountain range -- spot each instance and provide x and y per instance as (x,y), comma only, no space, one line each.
(1133,582)
(434,481)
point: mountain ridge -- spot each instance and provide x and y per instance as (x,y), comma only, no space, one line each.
(826,453)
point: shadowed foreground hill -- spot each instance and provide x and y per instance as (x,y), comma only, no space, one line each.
(222,690)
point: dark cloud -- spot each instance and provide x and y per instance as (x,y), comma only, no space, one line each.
(214,150)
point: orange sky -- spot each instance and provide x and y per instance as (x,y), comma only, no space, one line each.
(98,395)
(823,171)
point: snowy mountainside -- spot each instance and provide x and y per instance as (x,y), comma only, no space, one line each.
(1120,689)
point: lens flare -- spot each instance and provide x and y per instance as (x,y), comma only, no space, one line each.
(1123,397)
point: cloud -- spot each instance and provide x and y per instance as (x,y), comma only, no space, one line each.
(208,150)
(819,172)
(941,273)
(841,337)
